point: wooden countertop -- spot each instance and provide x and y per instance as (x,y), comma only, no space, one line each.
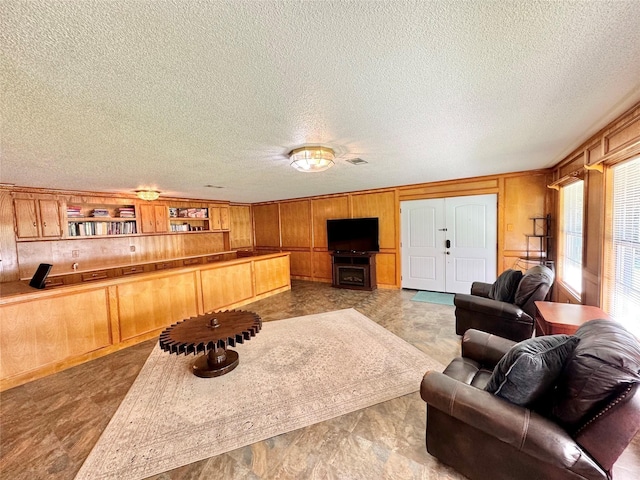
(94,268)
(12,292)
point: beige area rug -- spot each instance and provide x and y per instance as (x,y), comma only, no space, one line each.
(294,373)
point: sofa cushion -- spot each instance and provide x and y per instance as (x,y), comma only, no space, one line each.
(505,286)
(606,360)
(531,281)
(530,368)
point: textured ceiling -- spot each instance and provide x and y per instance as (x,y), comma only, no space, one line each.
(116,95)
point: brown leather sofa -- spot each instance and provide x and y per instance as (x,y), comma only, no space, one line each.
(588,419)
(512,319)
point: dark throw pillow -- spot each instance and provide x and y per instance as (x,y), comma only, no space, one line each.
(505,286)
(606,360)
(530,368)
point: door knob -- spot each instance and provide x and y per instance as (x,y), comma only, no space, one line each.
(447,243)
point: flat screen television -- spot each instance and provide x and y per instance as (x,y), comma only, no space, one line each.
(353,235)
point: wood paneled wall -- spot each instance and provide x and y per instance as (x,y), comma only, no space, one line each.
(8,253)
(302,222)
(266,225)
(95,253)
(521,198)
(617,142)
(323,209)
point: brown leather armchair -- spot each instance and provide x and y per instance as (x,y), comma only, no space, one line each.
(513,320)
(484,436)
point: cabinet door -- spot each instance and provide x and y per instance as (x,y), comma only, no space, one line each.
(214,214)
(147,218)
(26,218)
(240,228)
(224,218)
(161,218)
(50,218)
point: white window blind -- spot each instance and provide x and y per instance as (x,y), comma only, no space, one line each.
(572,213)
(623,266)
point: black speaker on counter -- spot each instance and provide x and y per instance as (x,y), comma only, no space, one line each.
(40,276)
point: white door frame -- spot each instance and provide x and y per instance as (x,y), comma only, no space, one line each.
(427,263)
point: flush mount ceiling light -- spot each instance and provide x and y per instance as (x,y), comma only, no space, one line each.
(148,195)
(312,159)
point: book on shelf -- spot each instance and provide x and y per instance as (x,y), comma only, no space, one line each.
(185,227)
(73,211)
(100,212)
(126,212)
(92,229)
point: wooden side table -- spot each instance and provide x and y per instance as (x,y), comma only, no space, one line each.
(554,318)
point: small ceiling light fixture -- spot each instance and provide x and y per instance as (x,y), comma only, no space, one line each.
(312,159)
(148,195)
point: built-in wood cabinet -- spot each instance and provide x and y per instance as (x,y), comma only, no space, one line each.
(89,220)
(149,304)
(153,218)
(226,285)
(37,218)
(219,218)
(240,227)
(184,219)
(45,331)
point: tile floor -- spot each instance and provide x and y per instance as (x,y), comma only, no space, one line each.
(48,427)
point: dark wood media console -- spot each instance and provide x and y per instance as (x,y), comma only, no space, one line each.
(354,270)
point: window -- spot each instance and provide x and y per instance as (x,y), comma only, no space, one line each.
(571,235)
(622,267)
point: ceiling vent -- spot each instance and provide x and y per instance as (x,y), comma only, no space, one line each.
(357,161)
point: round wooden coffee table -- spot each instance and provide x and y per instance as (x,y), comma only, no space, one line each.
(212,334)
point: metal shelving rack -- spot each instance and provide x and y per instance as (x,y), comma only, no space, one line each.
(539,242)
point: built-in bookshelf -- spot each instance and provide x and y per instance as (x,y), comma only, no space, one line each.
(189,219)
(101,220)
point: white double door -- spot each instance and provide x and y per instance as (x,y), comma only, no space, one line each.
(448,243)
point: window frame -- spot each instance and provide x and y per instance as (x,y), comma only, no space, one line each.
(608,272)
(562,240)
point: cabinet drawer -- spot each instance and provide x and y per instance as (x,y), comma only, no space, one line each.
(54,282)
(213,258)
(164,265)
(191,261)
(88,277)
(133,269)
